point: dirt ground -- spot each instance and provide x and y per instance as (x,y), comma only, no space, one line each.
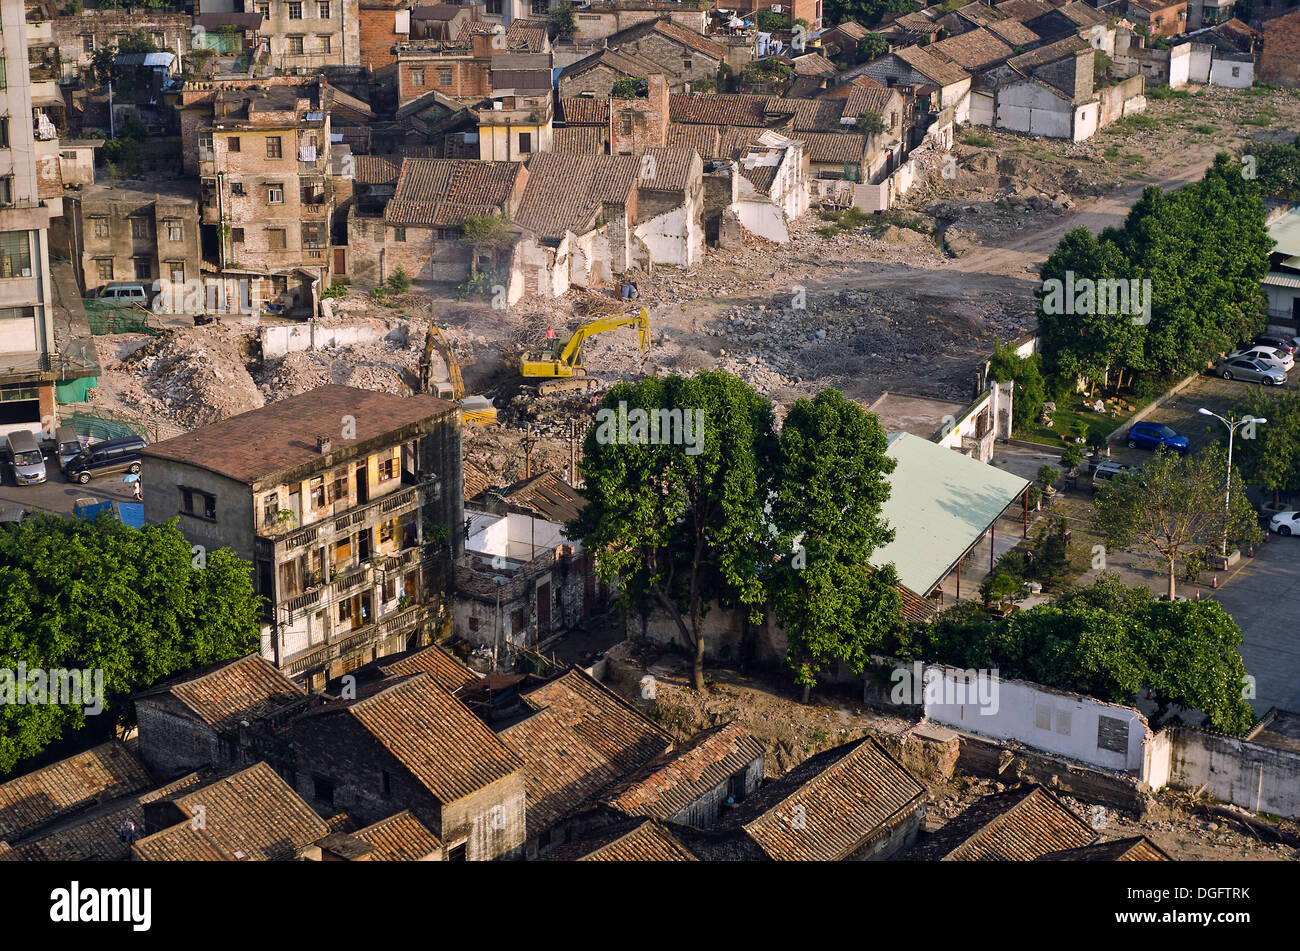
(791,732)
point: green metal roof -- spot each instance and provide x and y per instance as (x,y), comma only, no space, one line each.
(940,503)
(1286,232)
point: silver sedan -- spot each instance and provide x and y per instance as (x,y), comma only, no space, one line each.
(1239,368)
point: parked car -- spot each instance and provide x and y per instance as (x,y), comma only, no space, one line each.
(104,458)
(1252,371)
(1285,523)
(1274,357)
(25,458)
(1280,342)
(1155,435)
(125,292)
(1106,472)
(67,445)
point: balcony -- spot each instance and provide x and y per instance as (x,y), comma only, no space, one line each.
(354,641)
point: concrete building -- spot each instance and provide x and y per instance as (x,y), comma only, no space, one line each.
(308,34)
(683,55)
(1159,17)
(346,503)
(131,231)
(31,194)
(79,35)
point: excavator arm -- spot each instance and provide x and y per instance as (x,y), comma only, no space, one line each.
(568,361)
(435,342)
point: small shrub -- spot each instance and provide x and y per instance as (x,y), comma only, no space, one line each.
(399,282)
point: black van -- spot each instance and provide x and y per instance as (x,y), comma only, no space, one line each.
(104,458)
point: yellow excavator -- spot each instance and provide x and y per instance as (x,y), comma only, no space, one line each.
(477,410)
(565,363)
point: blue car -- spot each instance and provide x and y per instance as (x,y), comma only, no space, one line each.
(1153,436)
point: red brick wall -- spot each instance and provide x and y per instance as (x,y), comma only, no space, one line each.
(470,78)
(377,36)
(1279,62)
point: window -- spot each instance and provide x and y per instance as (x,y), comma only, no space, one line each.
(264,8)
(273,146)
(325,43)
(6,189)
(143,269)
(493,8)
(295,45)
(540,7)
(417,77)
(323,790)
(387,469)
(457,853)
(317,490)
(323,10)
(237,235)
(295,11)
(1112,734)
(140,227)
(275,239)
(104,268)
(385,783)
(313,234)
(236,188)
(175,229)
(448,234)
(198,504)
(1236,71)
(399,234)
(525,142)
(15,254)
(444,75)
(4,133)
(279,284)
(387,530)
(88,43)
(275,194)
(624,125)
(686,64)
(233,143)
(2,73)
(340,490)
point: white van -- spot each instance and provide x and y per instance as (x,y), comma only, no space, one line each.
(25,458)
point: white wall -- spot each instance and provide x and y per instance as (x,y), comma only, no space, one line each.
(277,341)
(1221,73)
(1198,67)
(1031,108)
(1048,720)
(669,237)
(1086,119)
(981,108)
(1180,65)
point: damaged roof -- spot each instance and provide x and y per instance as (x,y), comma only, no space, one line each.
(584,110)
(636,840)
(670,30)
(442,193)
(546,495)
(1018,825)
(973,50)
(447,672)
(1137,848)
(567,192)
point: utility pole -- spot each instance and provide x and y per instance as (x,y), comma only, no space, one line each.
(1227,480)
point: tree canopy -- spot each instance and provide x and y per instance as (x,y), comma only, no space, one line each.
(132,603)
(866,12)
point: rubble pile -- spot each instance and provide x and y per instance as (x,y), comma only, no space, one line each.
(384,366)
(191,377)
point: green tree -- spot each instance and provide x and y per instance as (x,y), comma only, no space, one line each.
(627,87)
(830,485)
(563,20)
(1173,508)
(866,12)
(1277,168)
(1029,393)
(681,524)
(102,595)
(1271,454)
(872,47)
(871,123)
(491,233)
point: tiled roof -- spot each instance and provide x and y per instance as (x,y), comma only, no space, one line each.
(376,169)
(641,841)
(973,50)
(826,807)
(97,837)
(665,27)
(1135,849)
(435,11)
(602,718)
(829,147)
(522,36)
(476,480)
(1013,32)
(813,64)
(1024,9)
(625,62)
(1084,14)
(1018,825)
(99,774)
(578,139)
(810,115)
(874,98)
(584,110)
(672,172)
(1027,62)
(248,815)
(668,784)
(281,435)
(444,746)
(546,494)
(400,838)
(447,672)
(931,67)
(704,139)
(439,193)
(720,109)
(852,29)
(566,192)
(223,693)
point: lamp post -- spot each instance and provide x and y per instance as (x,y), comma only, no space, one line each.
(1227,491)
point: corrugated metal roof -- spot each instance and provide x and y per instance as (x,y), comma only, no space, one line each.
(940,503)
(1286,232)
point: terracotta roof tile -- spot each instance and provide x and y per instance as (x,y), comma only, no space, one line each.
(1018,825)
(973,50)
(1138,848)
(546,494)
(704,139)
(832,147)
(400,838)
(584,110)
(1014,32)
(440,193)
(874,98)
(222,694)
(248,815)
(447,672)
(626,62)
(665,27)
(647,842)
(566,192)
(99,774)
(376,169)
(578,139)
(936,70)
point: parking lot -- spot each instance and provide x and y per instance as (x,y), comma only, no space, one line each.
(57,494)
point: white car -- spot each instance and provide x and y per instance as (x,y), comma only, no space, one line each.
(1285,523)
(1269,356)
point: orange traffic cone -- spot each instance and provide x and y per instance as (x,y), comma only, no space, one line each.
(1216,581)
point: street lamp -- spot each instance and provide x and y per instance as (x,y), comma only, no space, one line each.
(1232,429)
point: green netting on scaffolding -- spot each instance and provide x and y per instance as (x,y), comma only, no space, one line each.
(109,318)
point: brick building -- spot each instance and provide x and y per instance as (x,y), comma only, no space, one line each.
(381,25)
(421,226)
(131,231)
(406,744)
(308,34)
(596,74)
(78,36)
(1159,17)
(462,68)
(682,54)
(334,498)
(1279,60)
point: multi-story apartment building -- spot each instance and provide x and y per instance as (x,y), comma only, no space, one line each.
(31,193)
(308,34)
(348,505)
(263,156)
(131,231)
